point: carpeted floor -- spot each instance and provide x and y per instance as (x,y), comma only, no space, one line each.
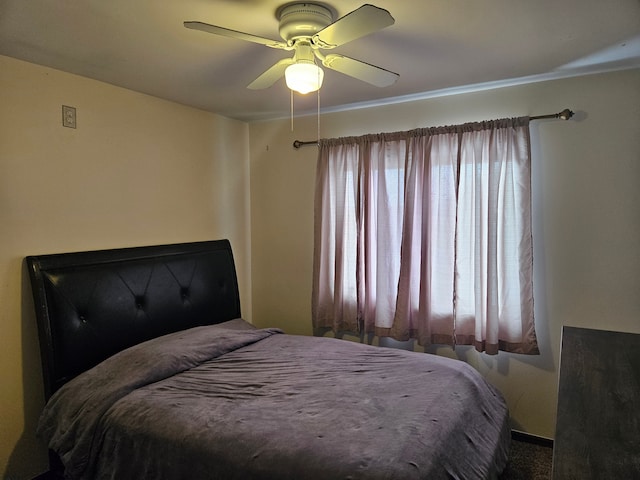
(528,461)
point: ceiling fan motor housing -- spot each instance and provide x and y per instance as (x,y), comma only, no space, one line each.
(300,20)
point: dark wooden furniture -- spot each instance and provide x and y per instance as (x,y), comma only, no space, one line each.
(598,425)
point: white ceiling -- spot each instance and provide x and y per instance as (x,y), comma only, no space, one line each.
(435,45)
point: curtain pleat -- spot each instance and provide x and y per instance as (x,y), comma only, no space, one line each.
(426,235)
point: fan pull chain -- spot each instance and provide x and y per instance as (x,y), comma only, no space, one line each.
(318,116)
(291,91)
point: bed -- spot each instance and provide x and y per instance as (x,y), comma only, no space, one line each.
(151,372)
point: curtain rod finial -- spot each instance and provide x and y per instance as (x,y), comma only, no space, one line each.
(299,143)
(566,114)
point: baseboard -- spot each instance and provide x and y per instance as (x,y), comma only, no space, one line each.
(529,438)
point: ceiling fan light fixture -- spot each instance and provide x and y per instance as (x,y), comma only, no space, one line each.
(304,77)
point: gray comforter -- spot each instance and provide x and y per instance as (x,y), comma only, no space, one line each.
(234,402)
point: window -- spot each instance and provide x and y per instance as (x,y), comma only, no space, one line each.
(427,234)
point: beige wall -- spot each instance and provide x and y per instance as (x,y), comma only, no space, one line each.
(586,217)
(136,171)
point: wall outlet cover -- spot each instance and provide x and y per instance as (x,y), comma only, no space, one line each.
(68,116)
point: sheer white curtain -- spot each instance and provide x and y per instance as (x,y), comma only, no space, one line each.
(426,234)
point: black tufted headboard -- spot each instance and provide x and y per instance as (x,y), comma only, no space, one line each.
(91,305)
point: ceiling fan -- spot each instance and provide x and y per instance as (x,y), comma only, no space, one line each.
(307,29)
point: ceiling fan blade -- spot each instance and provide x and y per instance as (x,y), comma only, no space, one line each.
(269,77)
(360,22)
(205,27)
(362,71)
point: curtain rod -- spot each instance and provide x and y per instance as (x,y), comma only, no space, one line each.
(565,114)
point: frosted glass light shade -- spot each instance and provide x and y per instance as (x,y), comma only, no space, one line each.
(304,77)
